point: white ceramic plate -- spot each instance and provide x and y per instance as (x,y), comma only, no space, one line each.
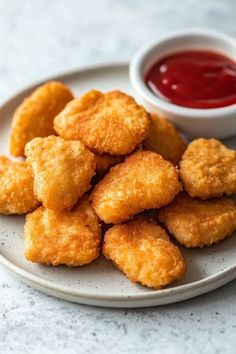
(100,283)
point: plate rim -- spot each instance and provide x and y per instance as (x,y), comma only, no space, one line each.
(64,74)
(179,293)
(227,275)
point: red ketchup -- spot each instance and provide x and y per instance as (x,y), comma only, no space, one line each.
(196,79)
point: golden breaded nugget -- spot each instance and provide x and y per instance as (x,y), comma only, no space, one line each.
(34,117)
(66,122)
(144,181)
(165,140)
(208,169)
(110,123)
(104,162)
(198,223)
(62,170)
(66,237)
(16,188)
(143,252)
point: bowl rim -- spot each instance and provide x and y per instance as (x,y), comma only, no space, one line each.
(137,80)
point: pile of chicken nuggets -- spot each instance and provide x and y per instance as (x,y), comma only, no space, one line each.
(103,159)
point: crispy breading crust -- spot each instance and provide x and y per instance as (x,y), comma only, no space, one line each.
(68,237)
(208,169)
(34,117)
(198,223)
(144,181)
(16,188)
(104,162)
(110,123)
(62,170)
(143,252)
(66,122)
(165,140)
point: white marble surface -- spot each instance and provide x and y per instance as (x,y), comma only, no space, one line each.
(40,38)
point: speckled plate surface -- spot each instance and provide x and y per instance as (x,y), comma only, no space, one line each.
(100,283)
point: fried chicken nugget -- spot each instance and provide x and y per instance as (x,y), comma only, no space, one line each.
(67,237)
(16,188)
(144,181)
(111,123)
(104,162)
(165,140)
(208,169)
(62,170)
(199,223)
(143,252)
(34,117)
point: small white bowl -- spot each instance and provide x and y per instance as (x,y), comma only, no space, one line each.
(214,122)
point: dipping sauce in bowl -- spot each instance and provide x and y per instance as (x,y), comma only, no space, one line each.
(195,79)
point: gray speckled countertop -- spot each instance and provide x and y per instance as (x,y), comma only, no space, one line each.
(40,38)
